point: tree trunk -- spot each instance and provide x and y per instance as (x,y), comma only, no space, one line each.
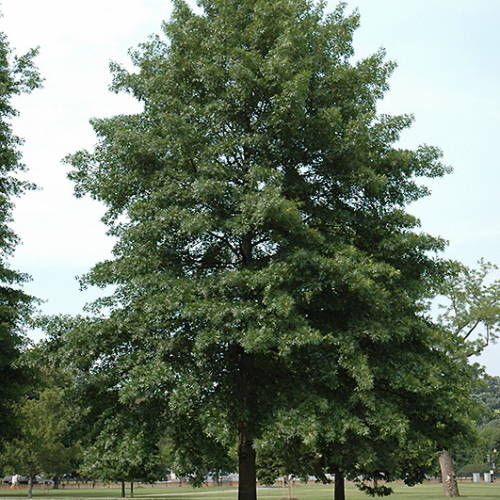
(123,489)
(448,475)
(56,481)
(246,458)
(247,489)
(339,486)
(30,486)
(131,490)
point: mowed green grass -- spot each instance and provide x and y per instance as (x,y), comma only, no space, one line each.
(471,491)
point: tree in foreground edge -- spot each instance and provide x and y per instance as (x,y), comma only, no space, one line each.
(17,75)
(258,205)
(471,316)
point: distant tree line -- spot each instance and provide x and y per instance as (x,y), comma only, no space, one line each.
(482,454)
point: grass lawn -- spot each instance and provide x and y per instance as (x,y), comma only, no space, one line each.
(471,491)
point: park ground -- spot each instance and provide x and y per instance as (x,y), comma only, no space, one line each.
(427,491)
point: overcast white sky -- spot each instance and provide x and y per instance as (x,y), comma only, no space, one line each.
(448,76)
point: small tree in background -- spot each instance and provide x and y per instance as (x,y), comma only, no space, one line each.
(121,440)
(40,447)
(123,452)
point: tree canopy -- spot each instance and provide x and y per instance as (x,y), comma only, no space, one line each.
(269,282)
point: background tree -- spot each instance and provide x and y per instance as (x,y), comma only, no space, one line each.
(473,457)
(471,316)
(124,451)
(39,447)
(54,379)
(258,203)
(120,438)
(17,75)
(488,396)
(472,310)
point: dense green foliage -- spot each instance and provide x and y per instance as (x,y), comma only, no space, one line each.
(17,75)
(270,288)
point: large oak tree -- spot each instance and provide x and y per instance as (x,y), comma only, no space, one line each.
(267,275)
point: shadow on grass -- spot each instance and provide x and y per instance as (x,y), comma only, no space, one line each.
(428,491)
